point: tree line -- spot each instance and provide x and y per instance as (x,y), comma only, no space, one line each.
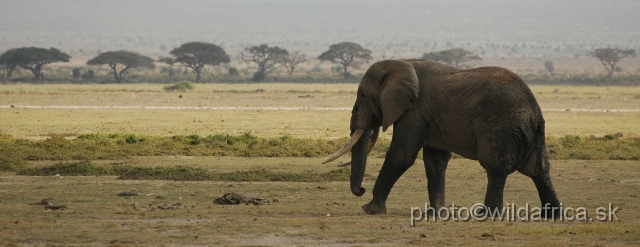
(196,55)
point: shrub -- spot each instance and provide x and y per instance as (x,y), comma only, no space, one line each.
(180,86)
(233,71)
(89,75)
(75,73)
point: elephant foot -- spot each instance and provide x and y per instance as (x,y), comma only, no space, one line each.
(551,212)
(374,208)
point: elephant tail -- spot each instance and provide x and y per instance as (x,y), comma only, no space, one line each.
(542,163)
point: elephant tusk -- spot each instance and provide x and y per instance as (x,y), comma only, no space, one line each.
(372,143)
(350,143)
(348,163)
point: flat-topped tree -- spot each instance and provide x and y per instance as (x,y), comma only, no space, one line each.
(265,57)
(31,58)
(345,53)
(454,57)
(609,57)
(121,61)
(196,55)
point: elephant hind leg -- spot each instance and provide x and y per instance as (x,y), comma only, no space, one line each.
(548,196)
(499,158)
(542,180)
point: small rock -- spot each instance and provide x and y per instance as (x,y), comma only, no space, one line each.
(53,207)
(128,193)
(328,215)
(140,207)
(57,176)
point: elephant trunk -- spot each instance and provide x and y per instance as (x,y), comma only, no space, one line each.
(359,162)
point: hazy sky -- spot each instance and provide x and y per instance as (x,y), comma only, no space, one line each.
(288,21)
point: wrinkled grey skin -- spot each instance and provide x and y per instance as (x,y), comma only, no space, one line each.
(486,114)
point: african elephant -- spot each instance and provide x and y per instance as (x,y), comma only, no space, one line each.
(487,114)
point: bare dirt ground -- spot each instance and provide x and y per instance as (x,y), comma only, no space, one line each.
(312,214)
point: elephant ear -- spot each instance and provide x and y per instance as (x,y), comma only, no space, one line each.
(399,91)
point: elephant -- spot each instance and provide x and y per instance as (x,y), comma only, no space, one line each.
(487,114)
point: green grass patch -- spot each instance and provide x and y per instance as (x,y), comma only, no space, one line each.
(82,168)
(15,152)
(12,164)
(117,146)
(608,147)
(181,173)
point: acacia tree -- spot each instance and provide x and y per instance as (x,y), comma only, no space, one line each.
(265,57)
(609,57)
(31,58)
(291,61)
(8,62)
(345,53)
(454,57)
(123,60)
(196,55)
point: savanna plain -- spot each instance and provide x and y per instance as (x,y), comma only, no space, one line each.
(82,146)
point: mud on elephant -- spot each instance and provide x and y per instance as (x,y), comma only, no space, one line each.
(487,114)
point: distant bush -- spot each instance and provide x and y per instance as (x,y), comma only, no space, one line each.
(89,75)
(233,71)
(75,73)
(180,86)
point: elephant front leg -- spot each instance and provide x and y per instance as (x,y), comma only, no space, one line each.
(399,158)
(435,164)
(389,174)
(495,190)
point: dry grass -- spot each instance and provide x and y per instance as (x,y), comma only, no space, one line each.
(97,216)
(312,123)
